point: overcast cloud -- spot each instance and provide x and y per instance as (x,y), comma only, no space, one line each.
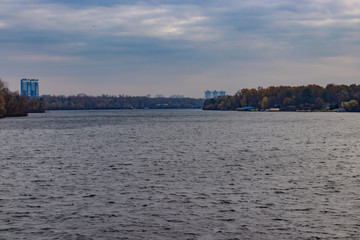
(178,47)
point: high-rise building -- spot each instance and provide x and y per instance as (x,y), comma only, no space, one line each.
(177,96)
(30,87)
(215,94)
(207,94)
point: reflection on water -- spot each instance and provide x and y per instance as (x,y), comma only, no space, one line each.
(179,174)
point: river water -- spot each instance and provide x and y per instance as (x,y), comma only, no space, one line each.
(180,174)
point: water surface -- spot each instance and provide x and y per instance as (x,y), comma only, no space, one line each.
(180,174)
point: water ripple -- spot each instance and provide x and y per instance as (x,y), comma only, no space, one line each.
(184,174)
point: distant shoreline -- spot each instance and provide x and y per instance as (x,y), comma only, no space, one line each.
(120,102)
(340,98)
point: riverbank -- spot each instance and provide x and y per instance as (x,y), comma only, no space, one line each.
(12,104)
(285,98)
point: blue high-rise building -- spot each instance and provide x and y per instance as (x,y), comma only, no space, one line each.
(214,94)
(207,94)
(30,87)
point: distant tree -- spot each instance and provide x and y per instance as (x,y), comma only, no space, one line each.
(319,103)
(289,93)
(265,103)
(253,98)
(324,96)
(297,101)
(307,95)
(287,101)
(337,94)
(35,105)
(352,106)
(2,104)
(244,97)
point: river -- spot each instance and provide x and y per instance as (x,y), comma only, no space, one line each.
(180,174)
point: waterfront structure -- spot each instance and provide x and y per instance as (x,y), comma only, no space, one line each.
(214,94)
(29,87)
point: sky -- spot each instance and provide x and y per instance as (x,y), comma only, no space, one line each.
(181,47)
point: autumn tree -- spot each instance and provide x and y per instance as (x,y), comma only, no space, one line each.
(2,104)
(319,103)
(352,106)
(287,101)
(13,104)
(265,103)
(310,97)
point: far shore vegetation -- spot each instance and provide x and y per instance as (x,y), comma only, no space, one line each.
(285,98)
(282,98)
(13,104)
(84,102)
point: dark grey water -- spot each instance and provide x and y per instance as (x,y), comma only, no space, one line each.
(180,174)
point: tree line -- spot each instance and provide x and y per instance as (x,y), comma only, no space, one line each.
(13,104)
(83,102)
(311,98)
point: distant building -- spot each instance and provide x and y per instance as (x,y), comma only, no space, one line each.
(30,87)
(148,95)
(176,96)
(207,94)
(159,96)
(214,94)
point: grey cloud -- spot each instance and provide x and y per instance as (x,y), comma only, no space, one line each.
(183,39)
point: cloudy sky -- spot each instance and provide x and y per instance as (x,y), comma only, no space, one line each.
(178,46)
